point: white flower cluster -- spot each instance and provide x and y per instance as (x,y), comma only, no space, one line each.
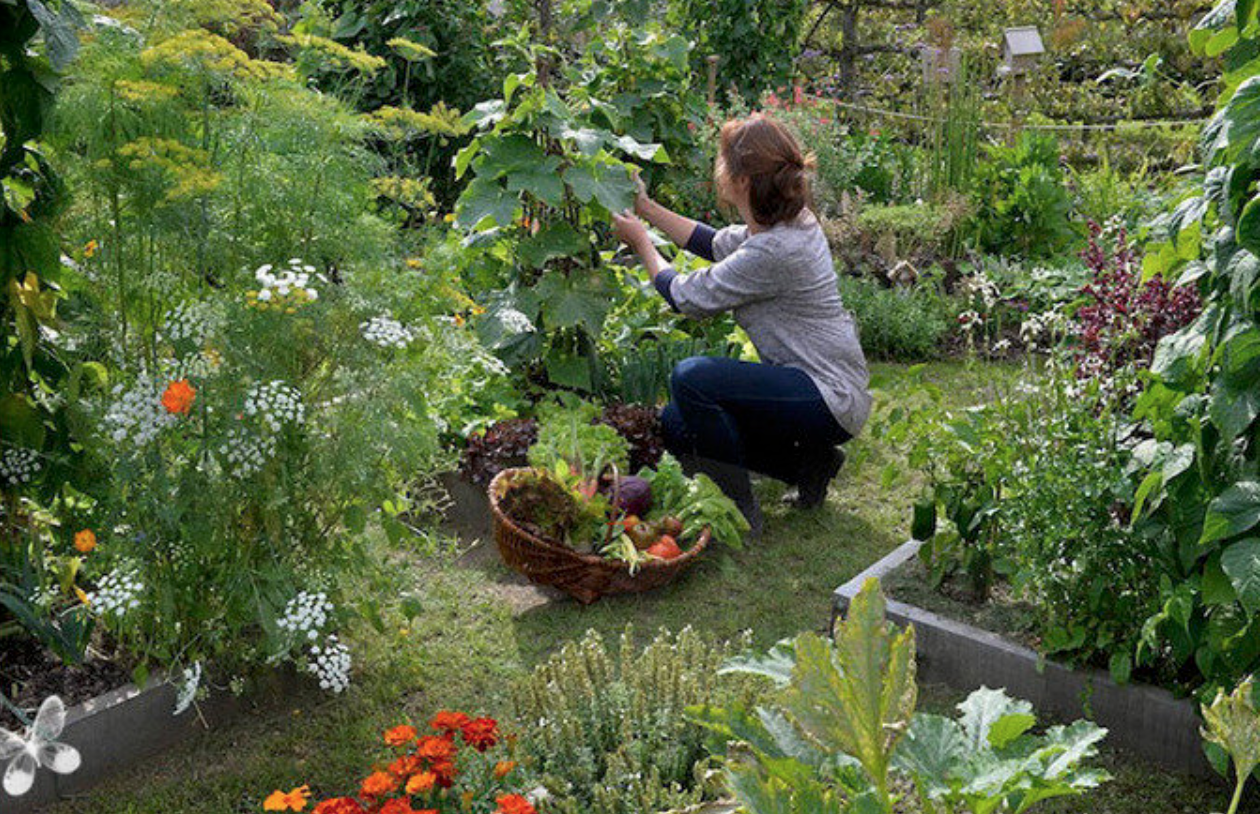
(244,453)
(188,688)
(193,322)
(18,466)
(137,415)
(980,287)
(285,289)
(276,404)
(330,663)
(306,614)
(387,332)
(119,592)
(515,321)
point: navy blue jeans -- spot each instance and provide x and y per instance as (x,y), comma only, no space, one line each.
(765,418)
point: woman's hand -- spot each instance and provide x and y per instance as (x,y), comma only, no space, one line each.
(631,231)
(641,199)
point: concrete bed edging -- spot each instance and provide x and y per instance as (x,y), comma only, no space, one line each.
(1142,719)
(115,731)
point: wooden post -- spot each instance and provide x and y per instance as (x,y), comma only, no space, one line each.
(713,66)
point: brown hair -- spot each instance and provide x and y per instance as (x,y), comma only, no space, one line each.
(765,152)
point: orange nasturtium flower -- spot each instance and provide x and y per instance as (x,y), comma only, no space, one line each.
(400,735)
(178,397)
(513,804)
(294,800)
(378,784)
(84,541)
(503,768)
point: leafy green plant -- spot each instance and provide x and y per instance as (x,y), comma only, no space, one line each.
(988,762)
(843,726)
(697,502)
(1231,724)
(1023,203)
(1200,498)
(603,726)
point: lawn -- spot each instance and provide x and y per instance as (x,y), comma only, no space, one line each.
(480,627)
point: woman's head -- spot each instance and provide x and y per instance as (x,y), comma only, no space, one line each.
(759,155)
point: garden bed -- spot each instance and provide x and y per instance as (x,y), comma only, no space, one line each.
(29,673)
(119,729)
(1145,720)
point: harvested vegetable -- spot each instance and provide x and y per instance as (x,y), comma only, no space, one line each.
(665,548)
(634,495)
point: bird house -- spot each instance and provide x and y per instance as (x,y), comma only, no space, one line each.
(1021,49)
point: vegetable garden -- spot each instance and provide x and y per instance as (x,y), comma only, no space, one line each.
(291,288)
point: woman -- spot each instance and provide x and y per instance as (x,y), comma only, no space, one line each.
(787,416)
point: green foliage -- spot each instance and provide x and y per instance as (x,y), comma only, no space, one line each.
(604,728)
(755,42)
(1232,724)
(697,502)
(844,725)
(567,433)
(1201,403)
(987,762)
(1023,204)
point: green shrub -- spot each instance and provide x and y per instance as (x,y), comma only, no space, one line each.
(1023,204)
(899,324)
(605,729)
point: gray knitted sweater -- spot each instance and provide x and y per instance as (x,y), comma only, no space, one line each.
(780,285)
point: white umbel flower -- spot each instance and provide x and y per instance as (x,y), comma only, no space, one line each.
(136,415)
(117,594)
(18,466)
(330,664)
(387,332)
(306,615)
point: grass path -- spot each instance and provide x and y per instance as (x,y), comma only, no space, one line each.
(473,637)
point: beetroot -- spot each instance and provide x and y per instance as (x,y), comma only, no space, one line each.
(634,495)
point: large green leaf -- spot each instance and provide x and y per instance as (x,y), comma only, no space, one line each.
(777,664)
(20,422)
(1241,563)
(1234,128)
(485,204)
(933,747)
(1232,722)
(509,154)
(578,299)
(994,718)
(1233,512)
(555,240)
(610,186)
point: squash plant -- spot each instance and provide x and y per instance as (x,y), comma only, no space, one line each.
(547,172)
(1199,496)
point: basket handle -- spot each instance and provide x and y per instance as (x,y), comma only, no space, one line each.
(616,496)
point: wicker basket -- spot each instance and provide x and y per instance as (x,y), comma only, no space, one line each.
(585,577)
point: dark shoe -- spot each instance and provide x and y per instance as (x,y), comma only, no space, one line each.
(816,474)
(734,482)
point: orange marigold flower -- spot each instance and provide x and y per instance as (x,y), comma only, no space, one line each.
(421,783)
(378,784)
(445,772)
(405,766)
(513,804)
(449,722)
(400,735)
(84,541)
(178,397)
(503,768)
(339,805)
(294,800)
(399,805)
(435,749)
(481,734)
(91,248)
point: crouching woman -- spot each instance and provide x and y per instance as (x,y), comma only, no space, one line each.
(787,416)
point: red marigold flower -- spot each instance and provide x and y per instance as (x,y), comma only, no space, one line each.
(481,733)
(435,749)
(178,397)
(445,773)
(339,805)
(514,804)
(449,722)
(378,784)
(400,735)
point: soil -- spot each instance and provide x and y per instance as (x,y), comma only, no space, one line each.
(29,674)
(1002,613)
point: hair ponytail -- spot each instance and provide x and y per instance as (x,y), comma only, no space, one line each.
(763,151)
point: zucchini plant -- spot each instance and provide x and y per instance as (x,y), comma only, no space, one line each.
(547,171)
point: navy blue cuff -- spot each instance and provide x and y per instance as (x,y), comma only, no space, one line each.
(701,241)
(663,278)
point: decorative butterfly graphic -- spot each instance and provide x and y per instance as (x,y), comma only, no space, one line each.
(38,748)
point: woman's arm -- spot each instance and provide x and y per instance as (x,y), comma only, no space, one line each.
(676,227)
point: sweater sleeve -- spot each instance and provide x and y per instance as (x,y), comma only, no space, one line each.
(745,276)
